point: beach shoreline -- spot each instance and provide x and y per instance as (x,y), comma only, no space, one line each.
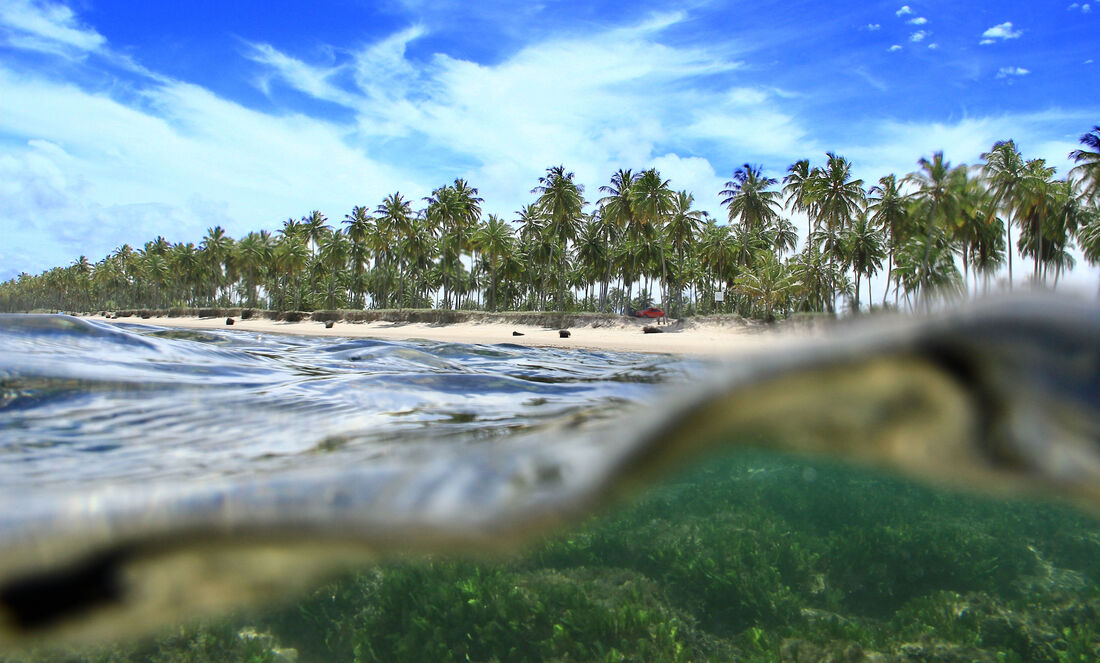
(693,336)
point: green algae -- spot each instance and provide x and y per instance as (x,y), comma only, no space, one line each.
(752,557)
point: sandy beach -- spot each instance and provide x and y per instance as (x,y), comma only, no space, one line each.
(690,337)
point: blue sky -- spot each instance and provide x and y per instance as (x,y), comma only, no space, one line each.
(120,121)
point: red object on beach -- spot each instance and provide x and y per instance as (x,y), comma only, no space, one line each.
(651,312)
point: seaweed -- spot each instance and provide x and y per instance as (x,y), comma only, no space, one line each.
(751,557)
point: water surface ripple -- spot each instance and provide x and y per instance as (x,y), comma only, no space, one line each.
(88,403)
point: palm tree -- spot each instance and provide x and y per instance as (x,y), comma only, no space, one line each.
(1088,165)
(1088,235)
(334,251)
(750,202)
(866,251)
(252,254)
(768,285)
(782,235)
(1033,206)
(591,251)
(618,215)
(682,228)
(886,205)
(452,210)
(837,197)
(937,202)
(652,201)
(1004,172)
(216,248)
(358,231)
(494,238)
(396,214)
(315,229)
(561,201)
(798,187)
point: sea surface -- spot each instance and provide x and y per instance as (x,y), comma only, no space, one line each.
(749,555)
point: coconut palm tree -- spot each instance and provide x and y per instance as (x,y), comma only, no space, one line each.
(681,230)
(886,204)
(495,240)
(1004,172)
(334,250)
(358,232)
(216,248)
(652,202)
(936,201)
(836,196)
(749,200)
(866,250)
(561,201)
(447,214)
(1088,235)
(397,215)
(798,187)
(768,285)
(315,229)
(782,235)
(618,216)
(1033,207)
(1087,169)
(253,252)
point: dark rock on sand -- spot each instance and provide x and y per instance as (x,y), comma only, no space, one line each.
(328,325)
(516,333)
(229,321)
(650,329)
(563,333)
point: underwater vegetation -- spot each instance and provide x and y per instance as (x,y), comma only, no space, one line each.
(750,557)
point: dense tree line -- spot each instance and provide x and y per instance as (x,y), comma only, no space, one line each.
(940,231)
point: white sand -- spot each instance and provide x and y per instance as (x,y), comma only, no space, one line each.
(692,338)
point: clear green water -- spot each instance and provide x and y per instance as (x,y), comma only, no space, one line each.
(754,557)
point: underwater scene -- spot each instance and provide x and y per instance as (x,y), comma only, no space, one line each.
(742,553)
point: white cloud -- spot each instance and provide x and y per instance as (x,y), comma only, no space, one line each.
(919,36)
(933,46)
(905,9)
(201,160)
(1005,72)
(45,26)
(920,20)
(873,26)
(312,81)
(1083,8)
(895,48)
(1002,32)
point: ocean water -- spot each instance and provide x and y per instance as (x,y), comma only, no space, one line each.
(171,495)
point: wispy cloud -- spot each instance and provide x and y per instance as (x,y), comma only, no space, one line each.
(872,26)
(920,20)
(905,9)
(895,48)
(1002,32)
(1005,72)
(45,26)
(919,36)
(1083,8)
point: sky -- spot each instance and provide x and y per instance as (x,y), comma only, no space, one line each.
(122,121)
